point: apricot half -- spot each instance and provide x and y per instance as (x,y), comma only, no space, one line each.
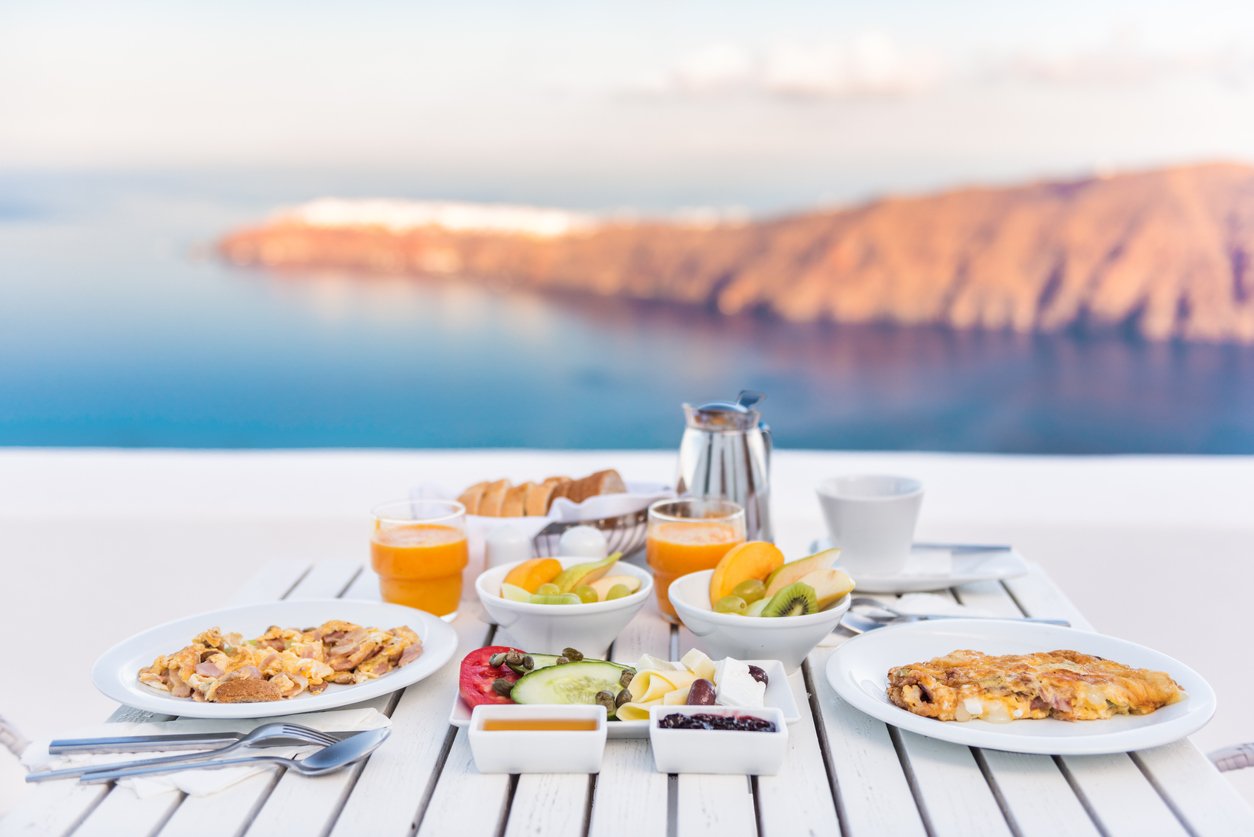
(533,572)
(751,559)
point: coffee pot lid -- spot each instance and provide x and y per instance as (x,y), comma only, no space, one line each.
(726,415)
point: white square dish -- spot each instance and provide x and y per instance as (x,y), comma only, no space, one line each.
(778,695)
(537,751)
(736,752)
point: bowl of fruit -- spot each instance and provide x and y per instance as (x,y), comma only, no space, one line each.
(754,604)
(559,602)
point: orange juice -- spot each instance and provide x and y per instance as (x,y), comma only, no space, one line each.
(420,564)
(679,547)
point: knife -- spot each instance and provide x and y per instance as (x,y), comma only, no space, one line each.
(858,623)
(176,741)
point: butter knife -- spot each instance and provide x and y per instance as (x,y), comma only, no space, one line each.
(175,741)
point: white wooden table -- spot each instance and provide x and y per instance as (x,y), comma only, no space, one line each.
(846,773)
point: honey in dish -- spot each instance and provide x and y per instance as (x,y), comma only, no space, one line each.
(539,724)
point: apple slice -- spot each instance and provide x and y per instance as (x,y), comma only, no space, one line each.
(829,586)
(794,571)
(604,585)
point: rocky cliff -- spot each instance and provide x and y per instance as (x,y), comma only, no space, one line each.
(1164,254)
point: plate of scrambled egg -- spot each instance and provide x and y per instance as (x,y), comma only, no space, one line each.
(275,658)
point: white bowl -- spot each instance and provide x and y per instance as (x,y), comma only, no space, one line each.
(528,751)
(550,628)
(785,638)
(718,750)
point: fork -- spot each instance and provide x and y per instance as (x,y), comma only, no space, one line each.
(255,737)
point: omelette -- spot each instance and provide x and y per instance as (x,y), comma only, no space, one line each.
(1066,685)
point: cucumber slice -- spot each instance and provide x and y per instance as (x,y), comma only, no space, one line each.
(546,660)
(576,683)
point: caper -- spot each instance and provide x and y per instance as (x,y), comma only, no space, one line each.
(623,697)
(513,658)
(517,669)
(497,659)
(561,661)
(528,663)
(502,686)
(606,699)
(572,654)
(625,678)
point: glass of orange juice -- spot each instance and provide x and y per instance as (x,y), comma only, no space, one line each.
(688,535)
(419,550)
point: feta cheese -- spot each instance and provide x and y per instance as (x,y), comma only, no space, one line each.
(735,686)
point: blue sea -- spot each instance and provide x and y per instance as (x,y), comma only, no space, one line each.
(119,328)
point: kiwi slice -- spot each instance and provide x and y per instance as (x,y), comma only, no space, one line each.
(794,600)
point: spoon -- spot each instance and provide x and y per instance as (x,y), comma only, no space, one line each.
(256,738)
(327,760)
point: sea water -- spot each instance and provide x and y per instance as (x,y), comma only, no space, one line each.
(118,327)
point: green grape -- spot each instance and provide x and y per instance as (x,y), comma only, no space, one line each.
(750,590)
(586,594)
(548,589)
(731,604)
(617,592)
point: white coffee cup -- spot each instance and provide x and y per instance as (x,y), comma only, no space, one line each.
(871,517)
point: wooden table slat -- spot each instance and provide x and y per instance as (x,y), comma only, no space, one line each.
(465,802)
(628,788)
(549,805)
(799,800)
(872,791)
(392,785)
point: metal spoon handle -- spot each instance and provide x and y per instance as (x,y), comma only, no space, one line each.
(937,616)
(96,777)
(79,770)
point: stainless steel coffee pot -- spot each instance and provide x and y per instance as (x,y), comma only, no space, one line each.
(726,452)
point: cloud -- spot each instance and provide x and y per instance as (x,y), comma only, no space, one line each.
(1124,60)
(869,65)
(872,65)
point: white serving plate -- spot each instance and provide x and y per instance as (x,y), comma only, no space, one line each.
(965,568)
(858,671)
(778,694)
(116,672)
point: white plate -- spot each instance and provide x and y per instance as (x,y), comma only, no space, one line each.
(919,575)
(116,672)
(778,694)
(858,671)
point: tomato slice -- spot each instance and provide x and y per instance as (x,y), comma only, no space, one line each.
(475,682)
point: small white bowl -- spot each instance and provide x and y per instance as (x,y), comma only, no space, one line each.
(717,750)
(537,751)
(550,628)
(785,638)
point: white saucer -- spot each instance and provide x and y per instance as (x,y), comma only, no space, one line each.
(930,568)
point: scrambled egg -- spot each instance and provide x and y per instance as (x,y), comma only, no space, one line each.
(281,663)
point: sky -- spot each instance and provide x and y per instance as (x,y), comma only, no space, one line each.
(643,103)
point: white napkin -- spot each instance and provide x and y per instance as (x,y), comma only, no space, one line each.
(923,604)
(929,562)
(194,782)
